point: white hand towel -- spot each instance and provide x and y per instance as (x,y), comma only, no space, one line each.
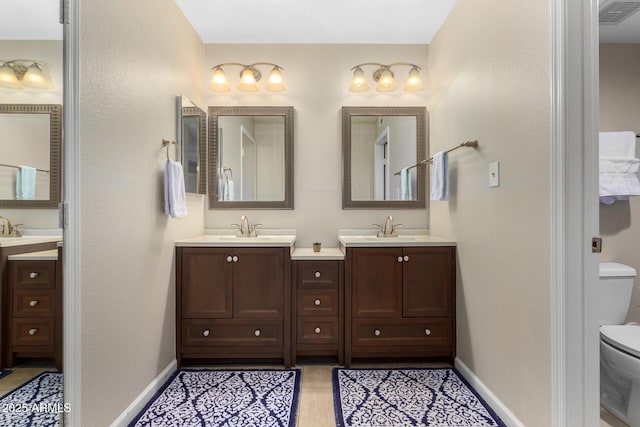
(229,190)
(618,167)
(440,177)
(26,183)
(406,191)
(175,200)
(617,145)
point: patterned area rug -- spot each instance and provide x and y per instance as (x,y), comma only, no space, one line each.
(208,397)
(408,397)
(36,403)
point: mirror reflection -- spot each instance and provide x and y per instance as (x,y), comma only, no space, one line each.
(30,143)
(192,138)
(382,148)
(252,147)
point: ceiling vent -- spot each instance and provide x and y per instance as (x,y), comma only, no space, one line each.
(613,12)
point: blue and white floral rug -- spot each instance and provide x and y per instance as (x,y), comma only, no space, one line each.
(212,397)
(408,397)
(39,402)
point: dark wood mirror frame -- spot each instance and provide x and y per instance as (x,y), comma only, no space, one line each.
(55,140)
(287,114)
(420,113)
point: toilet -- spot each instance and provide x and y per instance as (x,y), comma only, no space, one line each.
(619,344)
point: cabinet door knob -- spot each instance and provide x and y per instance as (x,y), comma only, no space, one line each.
(317,274)
(33,303)
(399,259)
(206,332)
(32,331)
(257,332)
(317,302)
(235,258)
(229,258)
(427,331)
(377,332)
(33,275)
(406,257)
(317,330)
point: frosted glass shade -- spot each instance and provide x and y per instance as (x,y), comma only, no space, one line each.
(37,77)
(248,81)
(386,83)
(8,78)
(219,81)
(276,83)
(359,82)
(414,82)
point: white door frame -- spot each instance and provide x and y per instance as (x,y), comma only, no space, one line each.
(575,350)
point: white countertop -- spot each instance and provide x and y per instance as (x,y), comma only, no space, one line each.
(263,241)
(27,240)
(50,255)
(368,238)
(307,254)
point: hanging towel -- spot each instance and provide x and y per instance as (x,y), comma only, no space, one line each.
(26,183)
(175,200)
(618,167)
(406,191)
(440,177)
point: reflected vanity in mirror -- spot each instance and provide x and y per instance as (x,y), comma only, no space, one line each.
(30,138)
(192,139)
(251,157)
(381,151)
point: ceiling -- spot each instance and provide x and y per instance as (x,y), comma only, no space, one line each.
(627,31)
(30,20)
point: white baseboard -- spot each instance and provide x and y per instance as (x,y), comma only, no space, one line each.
(499,408)
(143,398)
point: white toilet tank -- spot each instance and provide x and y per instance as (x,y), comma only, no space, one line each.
(616,289)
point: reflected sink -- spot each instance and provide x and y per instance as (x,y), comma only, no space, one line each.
(391,239)
(27,240)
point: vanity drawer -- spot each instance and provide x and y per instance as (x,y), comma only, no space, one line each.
(232,332)
(317,330)
(318,273)
(33,274)
(317,302)
(29,303)
(432,332)
(32,332)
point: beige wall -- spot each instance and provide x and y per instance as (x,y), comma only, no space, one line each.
(133,64)
(49,51)
(490,71)
(620,110)
(317,79)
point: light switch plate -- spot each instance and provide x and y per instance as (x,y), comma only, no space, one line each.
(494,174)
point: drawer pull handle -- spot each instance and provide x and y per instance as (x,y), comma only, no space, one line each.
(33,331)
(427,331)
(235,258)
(257,332)
(399,259)
(33,275)
(206,332)
(229,258)
(406,257)
(317,330)
(377,332)
(317,302)
(33,303)
(317,274)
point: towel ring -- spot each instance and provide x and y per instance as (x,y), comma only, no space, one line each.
(167,143)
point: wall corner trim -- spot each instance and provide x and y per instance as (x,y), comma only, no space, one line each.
(496,404)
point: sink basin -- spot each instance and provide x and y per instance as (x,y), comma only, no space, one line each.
(391,239)
(401,240)
(27,240)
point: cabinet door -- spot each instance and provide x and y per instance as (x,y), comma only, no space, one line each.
(259,289)
(429,278)
(207,279)
(376,275)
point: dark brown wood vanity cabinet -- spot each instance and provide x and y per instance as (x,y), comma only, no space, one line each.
(233,304)
(317,330)
(34,311)
(400,302)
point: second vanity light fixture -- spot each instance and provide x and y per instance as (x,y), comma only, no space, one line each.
(25,73)
(385,78)
(249,76)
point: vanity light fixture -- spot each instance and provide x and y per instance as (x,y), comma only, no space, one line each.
(249,76)
(25,73)
(385,78)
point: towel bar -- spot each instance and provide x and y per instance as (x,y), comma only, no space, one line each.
(472,144)
(18,167)
(166,143)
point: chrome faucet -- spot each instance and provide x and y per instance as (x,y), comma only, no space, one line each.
(389,228)
(245,229)
(8,229)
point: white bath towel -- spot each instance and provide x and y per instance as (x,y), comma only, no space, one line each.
(617,145)
(175,200)
(618,178)
(440,177)
(406,190)
(26,183)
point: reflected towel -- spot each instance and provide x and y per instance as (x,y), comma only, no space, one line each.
(175,199)
(440,177)
(618,167)
(617,145)
(406,191)
(229,189)
(26,183)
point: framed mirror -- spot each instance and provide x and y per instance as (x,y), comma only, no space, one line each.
(30,141)
(192,140)
(382,148)
(251,157)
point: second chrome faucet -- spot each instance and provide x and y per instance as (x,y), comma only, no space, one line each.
(389,228)
(245,229)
